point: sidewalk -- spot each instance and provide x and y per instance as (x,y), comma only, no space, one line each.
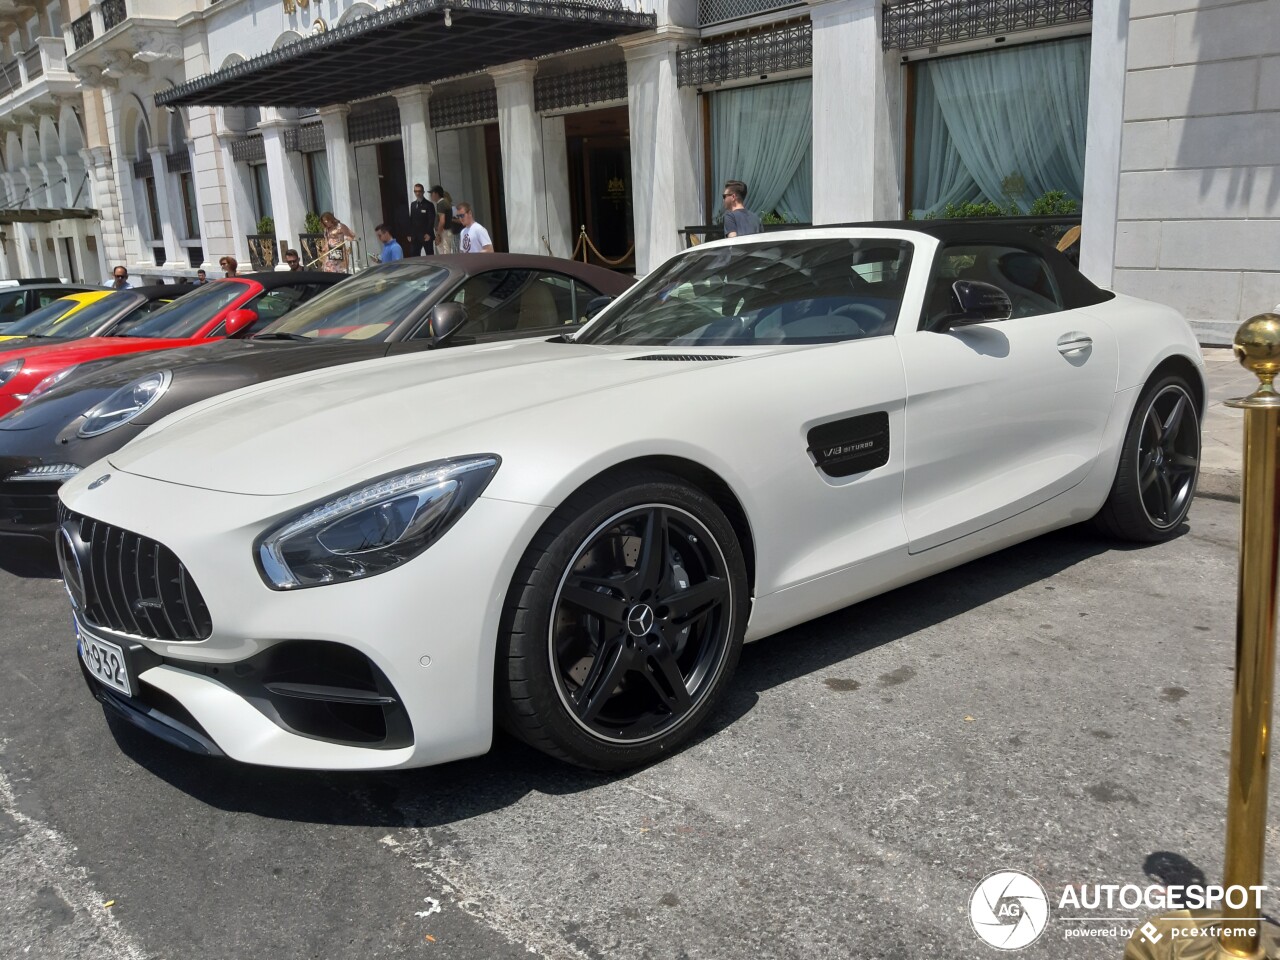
(1223,439)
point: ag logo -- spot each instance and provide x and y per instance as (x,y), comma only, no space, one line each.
(1008,910)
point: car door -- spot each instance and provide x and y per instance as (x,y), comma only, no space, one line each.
(1001,416)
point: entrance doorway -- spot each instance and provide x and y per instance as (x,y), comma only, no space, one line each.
(599,145)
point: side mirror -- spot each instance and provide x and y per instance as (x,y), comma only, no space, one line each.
(446,319)
(595,305)
(238,321)
(979,303)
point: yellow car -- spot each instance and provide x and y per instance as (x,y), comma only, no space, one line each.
(45,320)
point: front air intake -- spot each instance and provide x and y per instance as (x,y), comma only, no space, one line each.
(134,585)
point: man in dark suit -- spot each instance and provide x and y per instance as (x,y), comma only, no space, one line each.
(422,224)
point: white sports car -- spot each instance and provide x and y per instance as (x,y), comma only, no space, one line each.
(368,566)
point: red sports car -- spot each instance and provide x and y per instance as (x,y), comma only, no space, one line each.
(235,307)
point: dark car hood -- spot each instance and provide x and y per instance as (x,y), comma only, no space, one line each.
(198,372)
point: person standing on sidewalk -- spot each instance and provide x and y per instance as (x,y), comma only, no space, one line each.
(738,220)
(390,248)
(474,238)
(443,219)
(422,224)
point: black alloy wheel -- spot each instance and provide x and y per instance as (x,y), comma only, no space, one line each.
(1159,466)
(627,622)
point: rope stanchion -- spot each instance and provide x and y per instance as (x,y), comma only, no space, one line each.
(584,244)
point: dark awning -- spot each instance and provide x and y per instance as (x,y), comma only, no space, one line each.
(407,44)
(45,214)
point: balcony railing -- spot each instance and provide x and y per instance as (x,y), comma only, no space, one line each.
(113,13)
(10,78)
(82,30)
(34,67)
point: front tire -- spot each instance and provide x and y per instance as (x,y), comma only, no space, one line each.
(623,623)
(1159,464)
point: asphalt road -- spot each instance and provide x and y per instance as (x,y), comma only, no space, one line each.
(1061,708)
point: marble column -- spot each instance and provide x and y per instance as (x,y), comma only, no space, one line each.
(666,146)
(239,195)
(417,138)
(174,254)
(857,109)
(342,161)
(1108,54)
(106,200)
(211,179)
(284,177)
(525,194)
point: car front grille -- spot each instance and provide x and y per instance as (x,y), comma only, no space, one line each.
(136,586)
(28,503)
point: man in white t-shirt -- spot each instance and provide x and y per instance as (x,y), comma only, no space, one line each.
(474,237)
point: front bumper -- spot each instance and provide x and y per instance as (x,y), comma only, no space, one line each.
(429,627)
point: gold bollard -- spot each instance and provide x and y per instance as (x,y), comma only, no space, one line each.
(1257,347)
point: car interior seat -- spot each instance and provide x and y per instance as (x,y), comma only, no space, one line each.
(537,308)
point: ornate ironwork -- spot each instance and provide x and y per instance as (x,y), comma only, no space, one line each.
(307,138)
(143,168)
(720,11)
(463,109)
(82,30)
(580,88)
(786,47)
(248,149)
(179,161)
(930,23)
(113,13)
(380,123)
(610,13)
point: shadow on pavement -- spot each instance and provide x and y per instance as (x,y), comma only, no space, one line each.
(436,796)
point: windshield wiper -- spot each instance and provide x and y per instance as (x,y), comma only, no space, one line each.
(303,338)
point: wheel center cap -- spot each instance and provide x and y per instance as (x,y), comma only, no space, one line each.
(639,620)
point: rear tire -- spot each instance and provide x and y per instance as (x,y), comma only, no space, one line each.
(623,623)
(1159,465)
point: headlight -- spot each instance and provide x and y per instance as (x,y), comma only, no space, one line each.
(61,472)
(52,380)
(7,370)
(126,403)
(373,528)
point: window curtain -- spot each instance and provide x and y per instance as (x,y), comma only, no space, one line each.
(1013,119)
(763,136)
(262,189)
(321,194)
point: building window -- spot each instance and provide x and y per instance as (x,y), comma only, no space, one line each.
(1004,127)
(261,190)
(318,191)
(763,136)
(153,206)
(187,187)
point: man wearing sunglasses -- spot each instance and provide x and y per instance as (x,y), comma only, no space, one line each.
(738,220)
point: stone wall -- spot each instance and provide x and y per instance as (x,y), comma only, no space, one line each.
(1198,209)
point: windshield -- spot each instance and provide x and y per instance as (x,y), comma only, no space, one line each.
(366,307)
(42,320)
(84,322)
(185,316)
(787,291)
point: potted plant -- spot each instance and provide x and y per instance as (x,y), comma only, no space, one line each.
(262,245)
(310,243)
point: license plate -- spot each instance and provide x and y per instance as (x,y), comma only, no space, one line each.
(106,662)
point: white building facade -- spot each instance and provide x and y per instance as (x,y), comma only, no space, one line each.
(172,132)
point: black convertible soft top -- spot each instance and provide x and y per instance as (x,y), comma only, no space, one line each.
(1077,289)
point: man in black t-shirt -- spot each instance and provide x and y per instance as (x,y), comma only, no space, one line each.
(422,222)
(446,225)
(738,220)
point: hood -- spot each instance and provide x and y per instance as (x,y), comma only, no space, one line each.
(198,372)
(56,356)
(295,434)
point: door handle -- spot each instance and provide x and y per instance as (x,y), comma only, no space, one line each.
(1074,343)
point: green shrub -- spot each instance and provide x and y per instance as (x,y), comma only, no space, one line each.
(773,217)
(971,209)
(313,224)
(267,225)
(1054,203)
